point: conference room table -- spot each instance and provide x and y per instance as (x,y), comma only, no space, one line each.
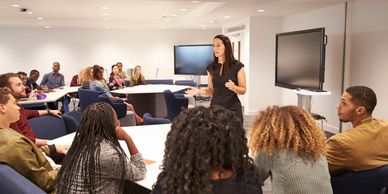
(149,140)
(149,98)
(53,96)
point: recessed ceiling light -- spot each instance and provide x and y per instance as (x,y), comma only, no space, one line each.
(107,27)
(163,28)
(203,28)
(105,14)
(46,26)
(30,12)
(40,18)
(174,15)
(104,8)
(15,5)
(194,1)
(226,17)
(260,10)
(183,9)
(168,20)
(201,25)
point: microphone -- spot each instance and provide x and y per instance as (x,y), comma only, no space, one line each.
(157,71)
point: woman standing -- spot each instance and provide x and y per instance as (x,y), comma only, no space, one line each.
(226,77)
(289,146)
(95,162)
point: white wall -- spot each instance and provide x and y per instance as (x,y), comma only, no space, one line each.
(258,56)
(333,19)
(369,50)
(25,49)
(262,89)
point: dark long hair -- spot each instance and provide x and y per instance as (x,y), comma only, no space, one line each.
(83,157)
(202,139)
(229,58)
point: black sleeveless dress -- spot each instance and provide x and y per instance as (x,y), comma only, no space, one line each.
(222,96)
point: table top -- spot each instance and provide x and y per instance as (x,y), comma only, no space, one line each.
(51,96)
(150,88)
(149,140)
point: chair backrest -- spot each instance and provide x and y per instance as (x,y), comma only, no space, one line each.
(72,120)
(48,127)
(149,120)
(367,181)
(118,105)
(87,97)
(160,81)
(13,182)
(186,83)
(174,104)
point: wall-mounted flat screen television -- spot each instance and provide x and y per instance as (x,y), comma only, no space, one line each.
(300,59)
(192,59)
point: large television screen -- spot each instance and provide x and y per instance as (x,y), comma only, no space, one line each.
(300,59)
(192,59)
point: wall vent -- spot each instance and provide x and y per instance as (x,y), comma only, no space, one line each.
(235,29)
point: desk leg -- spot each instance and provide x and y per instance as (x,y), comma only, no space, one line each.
(65,104)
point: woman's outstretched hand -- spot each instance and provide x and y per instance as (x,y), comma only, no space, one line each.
(192,91)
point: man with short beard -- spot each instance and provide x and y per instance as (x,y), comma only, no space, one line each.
(13,82)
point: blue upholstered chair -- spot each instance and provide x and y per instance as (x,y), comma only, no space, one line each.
(13,182)
(48,127)
(87,97)
(186,83)
(149,120)
(72,120)
(160,81)
(361,182)
(118,105)
(174,104)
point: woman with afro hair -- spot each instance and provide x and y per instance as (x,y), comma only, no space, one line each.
(289,146)
(206,153)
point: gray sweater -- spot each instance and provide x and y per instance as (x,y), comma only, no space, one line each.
(293,174)
(110,171)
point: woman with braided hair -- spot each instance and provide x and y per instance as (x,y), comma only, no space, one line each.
(206,153)
(95,162)
(289,146)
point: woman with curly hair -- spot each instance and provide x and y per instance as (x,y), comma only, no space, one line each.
(95,162)
(289,146)
(206,153)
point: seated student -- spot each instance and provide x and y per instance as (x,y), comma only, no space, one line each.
(115,80)
(289,146)
(122,73)
(206,152)
(12,81)
(137,78)
(364,146)
(95,162)
(99,85)
(75,80)
(19,152)
(53,79)
(32,79)
(23,76)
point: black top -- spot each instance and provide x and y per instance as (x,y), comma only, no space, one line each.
(222,96)
(232,185)
(31,84)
